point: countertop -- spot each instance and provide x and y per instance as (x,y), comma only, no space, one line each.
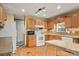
(73,47)
(64,35)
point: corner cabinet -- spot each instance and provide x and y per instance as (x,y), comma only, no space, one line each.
(2,16)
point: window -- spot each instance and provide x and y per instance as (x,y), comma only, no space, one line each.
(61,27)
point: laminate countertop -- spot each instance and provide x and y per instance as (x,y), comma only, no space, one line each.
(71,47)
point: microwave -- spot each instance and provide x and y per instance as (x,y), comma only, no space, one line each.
(30,32)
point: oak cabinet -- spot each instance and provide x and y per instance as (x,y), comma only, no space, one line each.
(46,37)
(52,37)
(72,21)
(78,21)
(31,41)
(45,24)
(30,22)
(68,22)
(60,19)
(2,16)
(39,22)
(75,21)
(50,24)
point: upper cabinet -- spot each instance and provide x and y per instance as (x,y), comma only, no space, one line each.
(72,21)
(30,22)
(39,21)
(59,19)
(45,24)
(2,16)
(75,21)
(68,21)
(50,24)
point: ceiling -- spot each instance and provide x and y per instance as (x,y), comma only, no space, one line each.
(31,8)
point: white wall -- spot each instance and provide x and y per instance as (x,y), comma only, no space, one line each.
(9,30)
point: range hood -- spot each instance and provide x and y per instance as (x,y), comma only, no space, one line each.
(39,26)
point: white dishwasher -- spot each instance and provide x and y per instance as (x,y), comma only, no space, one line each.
(67,39)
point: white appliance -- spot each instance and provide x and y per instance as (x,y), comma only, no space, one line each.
(40,40)
(67,39)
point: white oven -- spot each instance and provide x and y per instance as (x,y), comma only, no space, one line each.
(40,40)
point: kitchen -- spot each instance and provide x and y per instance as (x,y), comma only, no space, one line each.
(51,36)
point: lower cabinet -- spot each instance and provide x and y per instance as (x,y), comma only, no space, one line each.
(31,41)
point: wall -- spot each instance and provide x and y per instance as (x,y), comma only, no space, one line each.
(9,29)
(20,30)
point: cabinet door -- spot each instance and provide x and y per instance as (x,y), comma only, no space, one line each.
(39,22)
(45,24)
(78,21)
(2,16)
(53,37)
(46,37)
(68,22)
(30,23)
(50,24)
(75,21)
(31,40)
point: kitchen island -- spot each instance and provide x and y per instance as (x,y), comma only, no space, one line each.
(69,47)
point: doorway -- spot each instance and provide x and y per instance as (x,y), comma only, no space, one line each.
(20,33)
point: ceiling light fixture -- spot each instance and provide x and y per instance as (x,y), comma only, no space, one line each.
(23,10)
(58,7)
(40,10)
